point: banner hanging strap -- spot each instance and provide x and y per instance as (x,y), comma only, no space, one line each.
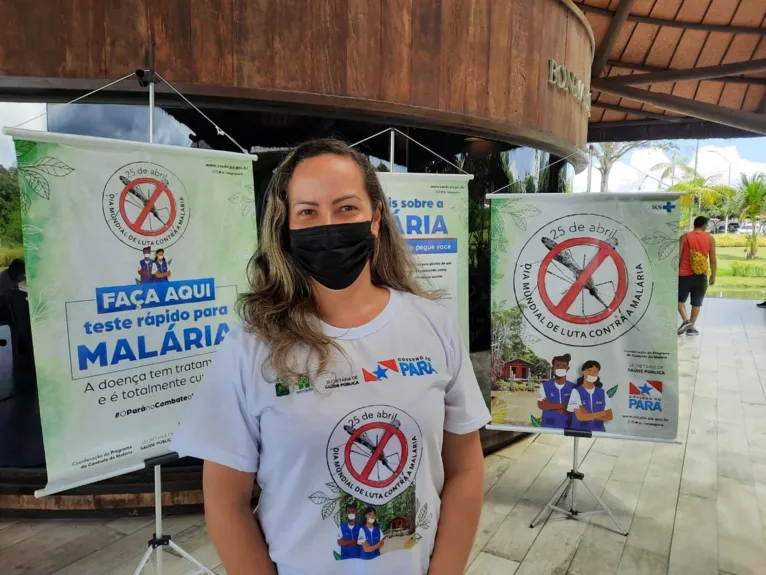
(218,129)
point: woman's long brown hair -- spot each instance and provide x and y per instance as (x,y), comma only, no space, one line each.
(280,307)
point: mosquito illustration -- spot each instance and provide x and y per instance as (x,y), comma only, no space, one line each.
(565,258)
(136,192)
(365,442)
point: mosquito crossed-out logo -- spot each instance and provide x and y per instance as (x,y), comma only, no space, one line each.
(645,395)
(404,366)
(583,280)
(374,452)
(145,205)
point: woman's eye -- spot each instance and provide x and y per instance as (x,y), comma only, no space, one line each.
(348,209)
(306,212)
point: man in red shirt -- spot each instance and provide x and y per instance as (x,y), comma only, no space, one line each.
(697,247)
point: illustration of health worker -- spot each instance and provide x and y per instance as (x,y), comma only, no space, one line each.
(555,393)
(348,535)
(161,273)
(146,267)
(370,536)
(589,403)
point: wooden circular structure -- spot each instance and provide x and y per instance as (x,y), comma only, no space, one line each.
(475,67)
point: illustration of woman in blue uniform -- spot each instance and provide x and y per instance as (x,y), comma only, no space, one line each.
(589,403)
(146,267)
(161,272)
(348,535)
(370,536)
(555,393)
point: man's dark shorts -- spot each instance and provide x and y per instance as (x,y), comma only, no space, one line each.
(694,285)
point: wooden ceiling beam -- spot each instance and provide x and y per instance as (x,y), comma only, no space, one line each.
(749,121)
(605,47)
(676,23)
(701,73)
(643,113)
(645,68)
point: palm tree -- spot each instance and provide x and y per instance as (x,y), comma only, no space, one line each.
(705,191)
(726,206)
(751,203)
(607,154)
(676,170)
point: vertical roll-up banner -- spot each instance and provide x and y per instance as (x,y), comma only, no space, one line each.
(584,292)
(431,211)
(135,254)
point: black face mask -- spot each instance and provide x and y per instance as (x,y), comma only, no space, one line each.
(333,255)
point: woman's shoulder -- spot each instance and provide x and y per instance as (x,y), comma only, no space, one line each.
(241,339)
(433,311)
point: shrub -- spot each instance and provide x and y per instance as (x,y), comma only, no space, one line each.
(8,255)
(736,241)
(748,270)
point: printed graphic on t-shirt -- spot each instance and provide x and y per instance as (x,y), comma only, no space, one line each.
(402,366)
(373,455)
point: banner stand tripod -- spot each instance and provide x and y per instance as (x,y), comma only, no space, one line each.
(158,540)
(566,491)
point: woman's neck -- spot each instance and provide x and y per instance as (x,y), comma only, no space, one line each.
(354,306)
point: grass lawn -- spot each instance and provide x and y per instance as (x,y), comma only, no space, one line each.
(729,286)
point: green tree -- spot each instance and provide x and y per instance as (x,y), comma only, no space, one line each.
(751,204)
(10,209)
(676,170)
(726,205)
(696,188)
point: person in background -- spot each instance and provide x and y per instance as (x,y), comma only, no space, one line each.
(370,536)
(589,403)
(696,249)
(554,395)
(161,272)
(11,278)
(348,535)
(146,267)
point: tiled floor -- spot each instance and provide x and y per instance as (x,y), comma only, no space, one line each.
(693,508)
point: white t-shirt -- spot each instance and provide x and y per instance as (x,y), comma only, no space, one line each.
(368,433)
(575,401)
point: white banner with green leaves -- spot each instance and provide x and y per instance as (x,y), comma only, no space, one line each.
(431,211)
(584,292)
(135,254)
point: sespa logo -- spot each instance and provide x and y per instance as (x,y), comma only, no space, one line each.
(404,366)
(645,396)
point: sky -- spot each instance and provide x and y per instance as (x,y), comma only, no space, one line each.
(116,121)
(715,157)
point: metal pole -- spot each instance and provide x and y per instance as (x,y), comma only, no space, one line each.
(590,164)
(158,511)
(157,468)
(391,154)
(151,111)
(575,465)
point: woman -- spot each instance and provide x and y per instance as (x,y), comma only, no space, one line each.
(161,265)
(388,400)
(589,403)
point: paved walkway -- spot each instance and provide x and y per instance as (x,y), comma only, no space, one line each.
(694,508)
